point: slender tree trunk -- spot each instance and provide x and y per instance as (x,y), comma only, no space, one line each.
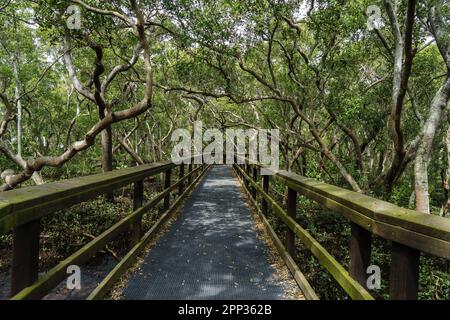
(19,104)
(446,206)
(304,164)
(131,152)
(107,154)
(424,149)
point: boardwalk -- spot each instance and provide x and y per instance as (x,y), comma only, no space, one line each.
(210,252)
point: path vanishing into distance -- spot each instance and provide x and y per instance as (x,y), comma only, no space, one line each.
(212,250)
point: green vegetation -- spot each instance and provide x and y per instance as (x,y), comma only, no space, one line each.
(103,85)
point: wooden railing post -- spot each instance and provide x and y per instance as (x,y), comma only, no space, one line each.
(190,170)
(181,185)
(404,277)
(255,178)
(265,182)
(138,198)
(360,250)
(247,171)
(25,256)
(166,185)
(292,212)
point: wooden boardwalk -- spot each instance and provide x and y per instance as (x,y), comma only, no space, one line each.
(212,251)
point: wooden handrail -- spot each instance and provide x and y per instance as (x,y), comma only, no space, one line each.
(411,232)
(22,205)
(351,286)
(54,276)
(425,232)
(21,211)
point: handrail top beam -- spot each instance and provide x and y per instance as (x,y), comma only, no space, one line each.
(18,199)
(376,209)
(20,206)
(426,232)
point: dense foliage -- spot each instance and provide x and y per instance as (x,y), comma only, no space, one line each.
(360,107)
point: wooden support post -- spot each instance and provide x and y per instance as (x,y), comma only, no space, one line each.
(181,185)
(247,171)
(190,170)
(404,277)
(255,178)
(360,250)
(264,206)
(166,185)
(292,212)
(138,199)
(25,256)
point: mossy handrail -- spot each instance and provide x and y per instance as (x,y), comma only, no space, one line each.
(410,232)
(23,205)
(425,232)
(22,209)
(354,289)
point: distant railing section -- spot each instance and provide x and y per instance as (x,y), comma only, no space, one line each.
(22,209)
(410,232)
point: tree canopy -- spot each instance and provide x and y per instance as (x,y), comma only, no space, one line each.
(358,89)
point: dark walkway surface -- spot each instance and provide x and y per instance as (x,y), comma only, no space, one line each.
(210,252)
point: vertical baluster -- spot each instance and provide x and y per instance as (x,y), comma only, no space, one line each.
(181,185)
(138,198)
(292,212)
(247,171)
(264,206)
(360,250)
(190,170)
(167,185)
(25,256)
(255,178)
(404,277)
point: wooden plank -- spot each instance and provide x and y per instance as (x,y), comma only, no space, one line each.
(360,250)
(106,284)
(25,259)
(351,286)
(404,277)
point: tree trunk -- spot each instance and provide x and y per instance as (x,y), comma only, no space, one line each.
(107,156)
(131,152)
(424,149)
(19,105)
(446,206)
